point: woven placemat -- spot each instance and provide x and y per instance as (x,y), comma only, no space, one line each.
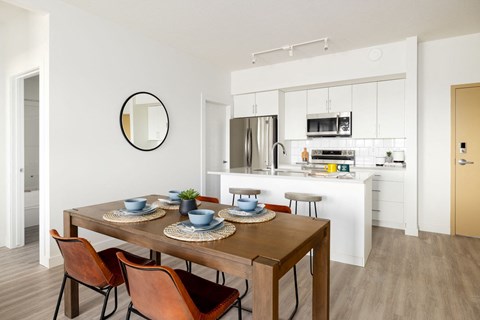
(119,216)
(166,206)
(263,217)
(174,231)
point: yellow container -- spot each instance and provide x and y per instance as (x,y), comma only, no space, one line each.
(331,167)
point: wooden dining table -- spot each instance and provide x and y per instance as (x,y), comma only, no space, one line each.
(262,252)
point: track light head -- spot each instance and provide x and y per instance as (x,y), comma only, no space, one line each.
(325,46)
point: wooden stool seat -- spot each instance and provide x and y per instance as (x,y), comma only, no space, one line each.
(305,197)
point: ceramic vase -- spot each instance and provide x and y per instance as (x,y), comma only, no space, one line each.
(187,205)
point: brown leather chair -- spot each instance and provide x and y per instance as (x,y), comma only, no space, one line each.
(208,199)
(159,292)
(97,271)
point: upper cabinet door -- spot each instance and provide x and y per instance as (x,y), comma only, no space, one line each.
(266,103)
(244,105)
(340,99)
(317,101)
(391,109)
(296,115)
(364,110)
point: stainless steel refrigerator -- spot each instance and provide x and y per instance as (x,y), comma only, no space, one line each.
(251,141)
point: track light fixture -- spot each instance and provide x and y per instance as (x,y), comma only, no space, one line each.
(290,48)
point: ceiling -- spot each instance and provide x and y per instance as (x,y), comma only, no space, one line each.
(226,32)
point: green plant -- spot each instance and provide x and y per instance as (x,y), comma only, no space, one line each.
(389,153)
(188,194)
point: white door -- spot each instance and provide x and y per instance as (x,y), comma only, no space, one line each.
(391,109)
(266,103)
(244,105)
(216,145)
(317,101)
(296,115)
(340,99)
(364,110)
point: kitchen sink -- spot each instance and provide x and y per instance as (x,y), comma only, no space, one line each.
(280,170)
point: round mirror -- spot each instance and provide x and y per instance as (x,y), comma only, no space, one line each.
(144,121)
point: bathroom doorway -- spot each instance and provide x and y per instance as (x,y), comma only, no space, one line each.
(31,157)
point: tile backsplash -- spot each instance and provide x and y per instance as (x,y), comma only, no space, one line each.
(365,149)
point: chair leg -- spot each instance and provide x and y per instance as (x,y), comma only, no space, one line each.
(129,311)
(296,203)
(296,293)
(246,290)
(60,296)
(309,209)
(311,262)
(188,266)
(239,302)
(218,277)
(315,205)
(233,200)
(290,204)
(105,301)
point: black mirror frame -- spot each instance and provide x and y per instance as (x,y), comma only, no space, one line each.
(121,123)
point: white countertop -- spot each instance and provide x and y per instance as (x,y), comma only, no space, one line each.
(358,177)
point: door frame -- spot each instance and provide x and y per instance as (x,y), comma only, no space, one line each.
(203,156)
(453,146)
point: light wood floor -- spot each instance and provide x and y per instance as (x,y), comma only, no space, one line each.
(430,277)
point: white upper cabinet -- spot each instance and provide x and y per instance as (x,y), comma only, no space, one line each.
(340,99)
(364,110)
(266,103)
(256,104)
(296,115)
(317,101)
(391,109)
(334,99)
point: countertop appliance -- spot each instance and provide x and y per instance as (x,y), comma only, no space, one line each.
(251,141)
(329,124)
(333,156)
(398,156)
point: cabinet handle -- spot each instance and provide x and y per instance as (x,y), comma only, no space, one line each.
(376,190)
(375,210)
(377,175)
(253,109)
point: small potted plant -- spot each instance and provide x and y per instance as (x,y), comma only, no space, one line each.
(389,157)
(187,200)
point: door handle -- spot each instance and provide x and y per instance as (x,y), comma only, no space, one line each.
(463,162)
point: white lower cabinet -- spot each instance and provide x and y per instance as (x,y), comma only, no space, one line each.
(388,199)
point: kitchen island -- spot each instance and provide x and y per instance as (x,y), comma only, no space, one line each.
(346,202)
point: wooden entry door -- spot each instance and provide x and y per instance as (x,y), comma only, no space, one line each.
(466,162)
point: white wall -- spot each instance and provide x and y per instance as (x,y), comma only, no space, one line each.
(442,63)
(16,57)
(94,66)
(329,68)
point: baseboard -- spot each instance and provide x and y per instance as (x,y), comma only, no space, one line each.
(411,232)
(348,259)
(57,260)
(388,224)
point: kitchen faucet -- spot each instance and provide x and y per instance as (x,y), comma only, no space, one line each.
(272,166)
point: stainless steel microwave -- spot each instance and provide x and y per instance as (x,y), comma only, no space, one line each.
(329,124)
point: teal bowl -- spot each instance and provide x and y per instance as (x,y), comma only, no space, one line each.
(247,204)
(200,217)
(173,195)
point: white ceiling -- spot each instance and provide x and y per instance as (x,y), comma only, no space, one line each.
(226,32)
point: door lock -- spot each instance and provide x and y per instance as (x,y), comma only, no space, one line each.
(463,162)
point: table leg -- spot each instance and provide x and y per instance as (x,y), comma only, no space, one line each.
(265,289)
(321,277)
(156,256)
(71,289)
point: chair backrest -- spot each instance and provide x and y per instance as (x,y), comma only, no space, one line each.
(157,292)
(82,261)
(208,199)
(278,208)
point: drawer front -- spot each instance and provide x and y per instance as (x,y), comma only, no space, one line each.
(387,191)
(389,176)
(391,212)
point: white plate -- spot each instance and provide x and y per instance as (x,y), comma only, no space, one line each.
(148,209)
(188,226)
(236,211)
(169,202)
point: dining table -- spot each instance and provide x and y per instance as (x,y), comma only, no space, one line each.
(261,252)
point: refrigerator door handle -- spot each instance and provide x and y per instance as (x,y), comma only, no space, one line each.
(249,150)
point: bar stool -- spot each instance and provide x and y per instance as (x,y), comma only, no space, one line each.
(305,197)
(243,192)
